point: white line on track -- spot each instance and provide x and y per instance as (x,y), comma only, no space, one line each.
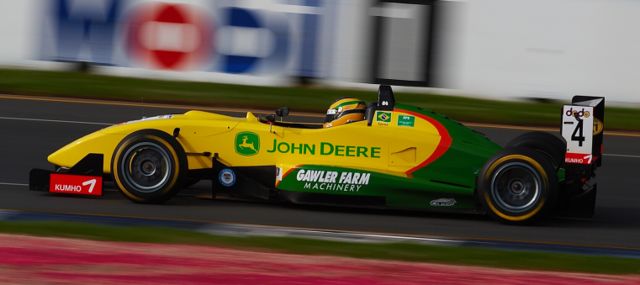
(55,121)
(621,155)
(14,184)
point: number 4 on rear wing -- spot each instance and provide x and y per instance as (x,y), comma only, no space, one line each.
(582,128)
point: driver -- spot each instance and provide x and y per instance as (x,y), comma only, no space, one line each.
(344,111)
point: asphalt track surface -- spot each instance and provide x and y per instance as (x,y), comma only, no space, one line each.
(31,129)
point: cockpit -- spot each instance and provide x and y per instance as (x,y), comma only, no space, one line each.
(341,109)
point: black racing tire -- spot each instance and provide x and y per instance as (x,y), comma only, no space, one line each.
(549,144)
(518,186)
(149,166)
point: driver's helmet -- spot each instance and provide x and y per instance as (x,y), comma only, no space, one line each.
(344,111)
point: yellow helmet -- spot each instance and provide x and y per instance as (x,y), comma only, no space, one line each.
(344,111)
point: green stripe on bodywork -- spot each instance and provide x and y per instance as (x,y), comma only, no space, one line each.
(398,191)
(562,174)
(467,154)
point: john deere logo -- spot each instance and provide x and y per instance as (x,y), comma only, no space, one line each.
(247,143)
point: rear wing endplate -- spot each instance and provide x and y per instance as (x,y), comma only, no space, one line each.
(582,128)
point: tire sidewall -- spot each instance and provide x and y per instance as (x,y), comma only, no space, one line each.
(176,156)
(536,161)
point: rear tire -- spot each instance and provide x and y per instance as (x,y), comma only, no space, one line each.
(149,166)
(518,186)
(549,144)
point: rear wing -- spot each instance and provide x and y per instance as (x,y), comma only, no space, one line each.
(582,128)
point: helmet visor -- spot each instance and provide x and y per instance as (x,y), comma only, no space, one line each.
(331,115)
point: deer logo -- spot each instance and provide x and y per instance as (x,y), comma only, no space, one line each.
(247,143)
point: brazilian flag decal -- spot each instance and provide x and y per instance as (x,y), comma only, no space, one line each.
(383,118)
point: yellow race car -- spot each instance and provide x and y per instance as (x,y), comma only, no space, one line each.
(390,156)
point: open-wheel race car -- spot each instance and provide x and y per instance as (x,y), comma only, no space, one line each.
(387,156)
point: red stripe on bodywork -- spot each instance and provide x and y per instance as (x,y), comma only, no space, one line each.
(443,145)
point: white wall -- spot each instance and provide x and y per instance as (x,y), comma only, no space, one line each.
(550,48)
(17,26)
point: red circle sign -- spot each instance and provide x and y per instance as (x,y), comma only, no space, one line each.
(169,36)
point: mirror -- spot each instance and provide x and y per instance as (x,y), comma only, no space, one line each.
(271,118)
(282,112)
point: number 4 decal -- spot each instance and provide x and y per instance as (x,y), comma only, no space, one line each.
(578,132)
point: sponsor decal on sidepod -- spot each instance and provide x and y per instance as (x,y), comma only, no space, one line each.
(443,202)
(227,177)
(345,181)
(325,148)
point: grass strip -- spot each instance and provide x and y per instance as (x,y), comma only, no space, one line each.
(308,99)
(389,251)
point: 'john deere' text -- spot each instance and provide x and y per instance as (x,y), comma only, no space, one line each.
(325,148)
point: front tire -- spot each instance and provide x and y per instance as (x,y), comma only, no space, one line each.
(149,166)
(518,185)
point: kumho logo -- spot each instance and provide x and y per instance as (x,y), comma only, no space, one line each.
(247,143)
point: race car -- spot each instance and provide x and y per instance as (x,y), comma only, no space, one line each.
(387,155)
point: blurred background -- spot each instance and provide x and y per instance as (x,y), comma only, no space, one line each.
(483,48)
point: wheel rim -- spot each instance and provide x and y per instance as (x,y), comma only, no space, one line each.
(146,166)
(516,186)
